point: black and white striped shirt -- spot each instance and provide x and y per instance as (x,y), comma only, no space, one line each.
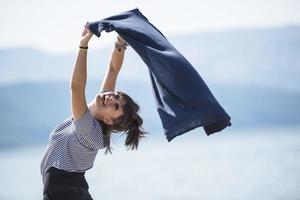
(73,145)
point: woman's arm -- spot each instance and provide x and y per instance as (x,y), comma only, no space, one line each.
(79,77)
(115,64)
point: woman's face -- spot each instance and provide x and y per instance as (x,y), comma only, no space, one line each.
(109,106)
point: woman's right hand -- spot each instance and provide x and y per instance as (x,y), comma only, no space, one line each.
(120,40)
(85,37)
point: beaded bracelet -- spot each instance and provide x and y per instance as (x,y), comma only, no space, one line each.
(121,46)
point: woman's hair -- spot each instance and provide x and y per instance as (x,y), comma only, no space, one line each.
(129,122)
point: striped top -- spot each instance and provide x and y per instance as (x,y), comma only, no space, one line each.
(73,145)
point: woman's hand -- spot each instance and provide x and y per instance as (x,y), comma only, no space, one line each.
(120,40)
(85,37)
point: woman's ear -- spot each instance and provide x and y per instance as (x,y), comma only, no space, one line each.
(108,121)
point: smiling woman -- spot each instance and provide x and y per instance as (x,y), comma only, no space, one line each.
(74,143)
(108,106)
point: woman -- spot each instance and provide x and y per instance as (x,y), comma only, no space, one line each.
(73,144)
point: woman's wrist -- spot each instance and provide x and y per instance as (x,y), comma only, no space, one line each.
(83,47)
(83,44)
(121,44)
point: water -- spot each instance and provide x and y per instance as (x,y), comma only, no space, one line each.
(241,164)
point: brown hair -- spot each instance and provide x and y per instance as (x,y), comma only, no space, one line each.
(129,122)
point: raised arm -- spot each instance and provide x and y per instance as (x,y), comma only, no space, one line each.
(79,77)
(115,64)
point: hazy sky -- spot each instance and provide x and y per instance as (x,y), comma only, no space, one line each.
(55,25)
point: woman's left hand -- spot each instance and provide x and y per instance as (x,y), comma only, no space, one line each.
(86,36)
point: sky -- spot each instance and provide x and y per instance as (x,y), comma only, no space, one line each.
(54,26)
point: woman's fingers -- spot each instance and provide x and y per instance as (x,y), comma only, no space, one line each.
(89,31)
(84,32)
(120,39)
(86,36)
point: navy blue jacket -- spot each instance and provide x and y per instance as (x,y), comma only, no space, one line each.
(183,100)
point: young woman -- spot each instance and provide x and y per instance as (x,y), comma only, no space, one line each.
(73,144)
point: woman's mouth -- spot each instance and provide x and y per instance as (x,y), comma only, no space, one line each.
(106,99)
(103,100)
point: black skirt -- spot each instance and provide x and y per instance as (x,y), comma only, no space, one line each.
(63,185)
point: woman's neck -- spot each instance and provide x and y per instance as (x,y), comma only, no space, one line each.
(93,109)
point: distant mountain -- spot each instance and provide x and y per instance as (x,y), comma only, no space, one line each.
(29,111)
(254,74)
(261,57)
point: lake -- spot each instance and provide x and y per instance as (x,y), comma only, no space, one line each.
(243,164)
